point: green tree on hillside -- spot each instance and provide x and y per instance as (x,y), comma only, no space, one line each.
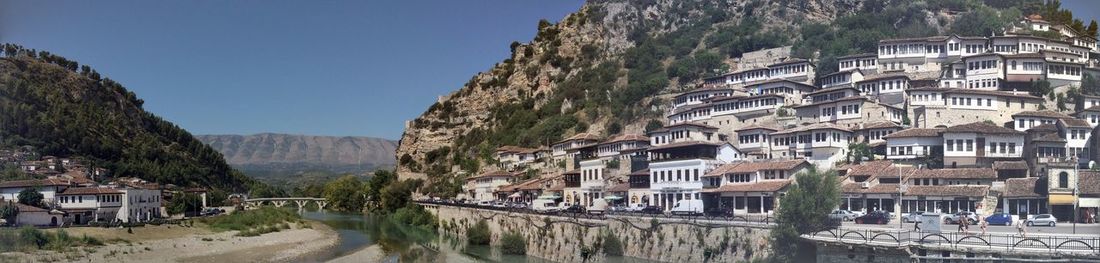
(30,196)
(804,209)
(859,152)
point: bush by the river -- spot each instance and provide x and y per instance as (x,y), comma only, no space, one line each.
(479,234)
(513,243)
(415,215)
(29,239)
(612,246)
(254,222)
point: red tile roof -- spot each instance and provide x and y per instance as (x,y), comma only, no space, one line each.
(584,136)
(494,174)
(683,144)
(879,125)
(761,186)
(914,132)
(1042,113)
(1010,165)
(1021,187)
(956,173)
(35,183)
(857,188)
(627,137)
(948,190)
(750,167)
(89,191)
(982,128)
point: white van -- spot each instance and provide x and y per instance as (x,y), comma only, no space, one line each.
(599,206)
(546,204)
(687,207)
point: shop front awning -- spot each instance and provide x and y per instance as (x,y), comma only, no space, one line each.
(1061,199)
(1089,202)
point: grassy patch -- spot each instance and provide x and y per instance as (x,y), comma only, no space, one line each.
(254,222)
(28,239)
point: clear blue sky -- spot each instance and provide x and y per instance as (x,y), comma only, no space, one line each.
(304,67)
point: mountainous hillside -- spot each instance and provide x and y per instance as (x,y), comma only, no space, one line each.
(293,153)
(64,109)
(612,67)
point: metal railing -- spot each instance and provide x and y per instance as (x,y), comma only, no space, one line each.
(1061,243)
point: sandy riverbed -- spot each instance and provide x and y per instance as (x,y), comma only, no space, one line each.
(195,245)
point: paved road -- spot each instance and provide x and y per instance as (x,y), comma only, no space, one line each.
(1064,228)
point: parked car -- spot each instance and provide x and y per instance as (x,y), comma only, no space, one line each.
(1042,220)
(719,212)
(599,206)
(651,210)
(999,219)
(912,216)
(876,217)
(574,209)
(499,204)
(971,217)
(842,215)
(485,203)
(546,204)
(687,207)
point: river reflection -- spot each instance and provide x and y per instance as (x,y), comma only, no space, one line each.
(405,243)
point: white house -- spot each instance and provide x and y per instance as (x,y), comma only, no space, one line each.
(823,144)
(483,186)
(9,190)
(841,78)
(35,216)
(979,144)
(751,187)
(866,62)
(911,144)
(676,169)
(1029,119)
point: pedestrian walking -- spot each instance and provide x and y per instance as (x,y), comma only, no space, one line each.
(1021,228)
(982,224)
(916,225)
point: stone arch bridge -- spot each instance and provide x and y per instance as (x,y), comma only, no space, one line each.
(302,202)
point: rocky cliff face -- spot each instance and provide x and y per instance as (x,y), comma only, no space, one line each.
(600,70)
(283,151)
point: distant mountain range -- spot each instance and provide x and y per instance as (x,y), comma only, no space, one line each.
(270,153)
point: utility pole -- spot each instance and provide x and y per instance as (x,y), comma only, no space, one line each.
(1076,187)
(901,223)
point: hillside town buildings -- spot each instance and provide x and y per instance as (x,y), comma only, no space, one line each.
(74,193)
(954,123)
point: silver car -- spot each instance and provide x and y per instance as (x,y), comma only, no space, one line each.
(1042,220)
(843,215)
(912,216)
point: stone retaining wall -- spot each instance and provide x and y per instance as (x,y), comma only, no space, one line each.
(564,239)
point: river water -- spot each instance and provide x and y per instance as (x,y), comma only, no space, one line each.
(406,243)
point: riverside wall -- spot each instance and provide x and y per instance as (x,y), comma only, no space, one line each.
(565,239)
